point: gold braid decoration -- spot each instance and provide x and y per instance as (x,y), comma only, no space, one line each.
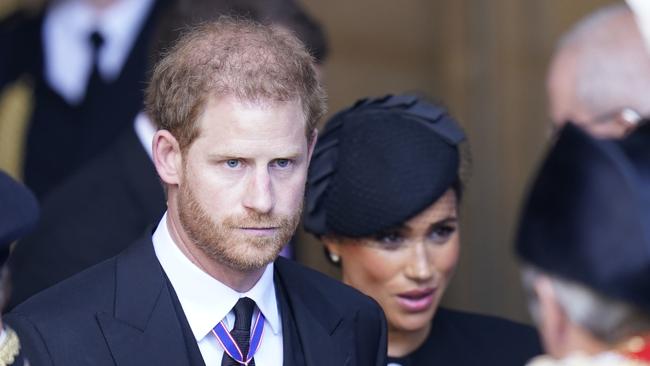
(10,348)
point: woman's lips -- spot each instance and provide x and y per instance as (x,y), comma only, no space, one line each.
(416,300)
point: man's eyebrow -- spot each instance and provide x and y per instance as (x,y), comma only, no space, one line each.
(222,155)
(288,154)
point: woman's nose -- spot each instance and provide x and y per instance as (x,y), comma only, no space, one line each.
(420,267)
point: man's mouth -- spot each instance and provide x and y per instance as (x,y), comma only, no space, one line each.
(260,231)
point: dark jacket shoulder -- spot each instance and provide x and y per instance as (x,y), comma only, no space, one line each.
(339,309)
(309,280)
(59,324)
(81,293)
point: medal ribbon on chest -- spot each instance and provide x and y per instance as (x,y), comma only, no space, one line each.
(231,347)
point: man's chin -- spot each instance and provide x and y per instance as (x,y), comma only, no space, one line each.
(251,261)
(246,267)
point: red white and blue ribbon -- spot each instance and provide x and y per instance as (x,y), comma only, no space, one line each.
(230,346)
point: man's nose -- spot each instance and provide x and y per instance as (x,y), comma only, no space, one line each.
(259,192)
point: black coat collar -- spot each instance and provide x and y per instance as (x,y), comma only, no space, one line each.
(143,330)
(326,338)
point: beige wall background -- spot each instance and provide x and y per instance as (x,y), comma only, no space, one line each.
(486,60)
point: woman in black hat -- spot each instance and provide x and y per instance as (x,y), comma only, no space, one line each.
(383,195)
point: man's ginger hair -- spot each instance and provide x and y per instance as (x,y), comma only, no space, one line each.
(231,57)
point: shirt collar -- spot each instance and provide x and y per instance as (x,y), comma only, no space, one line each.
(66,31)
(121,23)
(204,299)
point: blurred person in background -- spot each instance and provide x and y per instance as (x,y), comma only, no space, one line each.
(584,244)
(599,76)
(112,200)
(86,62)
(383,195)
(18,215)
(641,9)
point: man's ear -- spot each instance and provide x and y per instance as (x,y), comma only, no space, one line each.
(167,157)
(554,322)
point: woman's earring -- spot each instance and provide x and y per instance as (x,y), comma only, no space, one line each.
(335,258)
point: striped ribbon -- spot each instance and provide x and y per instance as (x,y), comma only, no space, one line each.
(231,347)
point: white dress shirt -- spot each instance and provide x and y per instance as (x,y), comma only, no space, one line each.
(67,48)
(206,302)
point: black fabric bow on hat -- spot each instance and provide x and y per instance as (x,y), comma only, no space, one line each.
(378,163)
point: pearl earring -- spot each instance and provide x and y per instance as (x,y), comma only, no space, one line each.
(335,258)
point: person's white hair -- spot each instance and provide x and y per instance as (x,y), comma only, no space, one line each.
(607,319)
(613,66)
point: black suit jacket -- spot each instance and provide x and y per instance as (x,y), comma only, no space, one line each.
(95,215)
(122,312)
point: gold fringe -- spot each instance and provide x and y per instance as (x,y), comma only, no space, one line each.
(10,348)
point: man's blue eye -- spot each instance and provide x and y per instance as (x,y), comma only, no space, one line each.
(232,163)
(282,163)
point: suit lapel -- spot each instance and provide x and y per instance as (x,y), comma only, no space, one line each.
(326,337)
(144,328)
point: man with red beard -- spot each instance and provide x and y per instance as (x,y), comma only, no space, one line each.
(236,104)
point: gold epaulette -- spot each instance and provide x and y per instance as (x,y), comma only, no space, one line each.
(10,348)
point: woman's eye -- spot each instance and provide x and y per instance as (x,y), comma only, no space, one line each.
(441,233)
(389,238)
(232,163)
(390,241)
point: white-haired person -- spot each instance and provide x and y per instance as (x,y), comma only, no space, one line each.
(599,75)
(584,243)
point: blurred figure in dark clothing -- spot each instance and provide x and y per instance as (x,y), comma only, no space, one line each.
(86,61)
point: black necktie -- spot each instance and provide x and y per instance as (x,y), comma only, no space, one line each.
(95,80)
(241,332)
